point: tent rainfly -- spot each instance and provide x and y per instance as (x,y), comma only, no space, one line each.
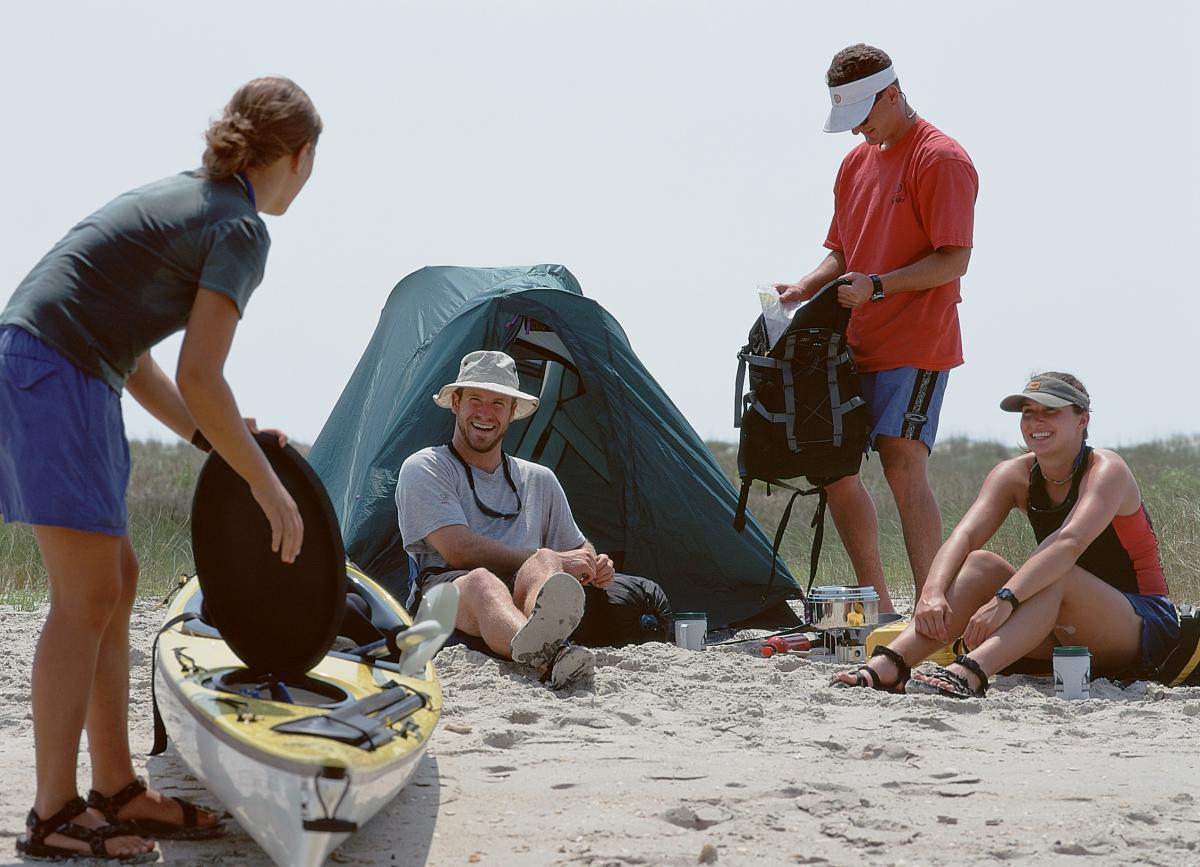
(641,483)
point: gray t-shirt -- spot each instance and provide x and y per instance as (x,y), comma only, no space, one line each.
(126,277)
(432,492)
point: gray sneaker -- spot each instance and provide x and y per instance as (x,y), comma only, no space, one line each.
(556,612)
(572,665)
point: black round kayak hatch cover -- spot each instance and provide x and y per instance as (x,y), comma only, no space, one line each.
(277,617)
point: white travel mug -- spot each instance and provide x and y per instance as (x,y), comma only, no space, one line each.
(1072,672)
(690,629)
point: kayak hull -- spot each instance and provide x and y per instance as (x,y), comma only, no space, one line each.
(299,795)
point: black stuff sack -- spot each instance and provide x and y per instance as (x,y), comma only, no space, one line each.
(1182,666)
(632,610)
(804,415)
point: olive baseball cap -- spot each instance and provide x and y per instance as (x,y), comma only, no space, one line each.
(1048,391)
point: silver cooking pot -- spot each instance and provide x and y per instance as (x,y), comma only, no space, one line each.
(843,607)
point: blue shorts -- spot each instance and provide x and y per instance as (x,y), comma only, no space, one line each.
(904,402)
(1160,630)
(64,460)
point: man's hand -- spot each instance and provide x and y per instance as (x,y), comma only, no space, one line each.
(604,571)
(932,617)
(857,291)
(790,293)
(581,563)
(990,617)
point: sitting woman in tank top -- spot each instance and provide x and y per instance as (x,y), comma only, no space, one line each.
(1095,578)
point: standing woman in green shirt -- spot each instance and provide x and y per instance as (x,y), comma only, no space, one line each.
(183,253)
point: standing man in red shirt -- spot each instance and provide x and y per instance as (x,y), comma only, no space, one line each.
(904,204)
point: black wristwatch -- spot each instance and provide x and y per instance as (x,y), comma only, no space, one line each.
(877,292)
(1007,595)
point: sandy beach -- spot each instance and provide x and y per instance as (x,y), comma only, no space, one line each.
(675,757)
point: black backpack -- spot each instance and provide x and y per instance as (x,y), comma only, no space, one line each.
(804,414)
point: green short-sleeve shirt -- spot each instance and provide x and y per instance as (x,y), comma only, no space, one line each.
(126,277)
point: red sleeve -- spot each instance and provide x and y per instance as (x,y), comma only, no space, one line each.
(833,240)
(946,202)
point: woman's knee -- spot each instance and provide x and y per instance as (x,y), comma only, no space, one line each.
(985,569)
(130,572)
(88,604)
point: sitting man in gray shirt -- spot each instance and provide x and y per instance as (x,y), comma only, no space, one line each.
(500,528)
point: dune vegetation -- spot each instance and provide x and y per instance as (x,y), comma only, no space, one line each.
(164,475)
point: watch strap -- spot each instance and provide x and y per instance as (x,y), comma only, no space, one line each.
(1008,596)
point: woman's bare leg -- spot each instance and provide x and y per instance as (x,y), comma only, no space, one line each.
(108,719)
(107,716)
(1079,608)
(85,588)
(981,576)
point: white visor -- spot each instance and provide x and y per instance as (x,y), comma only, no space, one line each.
(852,101)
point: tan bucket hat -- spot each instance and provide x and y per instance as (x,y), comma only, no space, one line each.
(489,370)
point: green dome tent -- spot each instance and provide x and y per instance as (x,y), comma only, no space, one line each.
(642,485)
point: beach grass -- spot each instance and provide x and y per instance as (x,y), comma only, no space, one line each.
(164,476)
(1168,472)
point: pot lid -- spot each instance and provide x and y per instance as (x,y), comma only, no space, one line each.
(844,594)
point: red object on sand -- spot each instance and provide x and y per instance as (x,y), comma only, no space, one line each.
(783,643)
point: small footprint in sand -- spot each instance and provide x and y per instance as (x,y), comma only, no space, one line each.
(935,723)
(895,752)
(684,816)
(503,740)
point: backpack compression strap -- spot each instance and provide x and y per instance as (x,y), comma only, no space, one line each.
(818,525)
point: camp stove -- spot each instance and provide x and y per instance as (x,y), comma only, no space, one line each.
(844,617)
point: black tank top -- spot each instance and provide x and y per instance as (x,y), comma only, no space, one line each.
(1106,557)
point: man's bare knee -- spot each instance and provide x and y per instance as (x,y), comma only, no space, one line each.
(481,594)
(845,488)
(479,585)
(904,461)
(543,559)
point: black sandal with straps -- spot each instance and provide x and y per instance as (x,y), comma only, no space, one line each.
(866,676)
(958,688)
(191,829)
(33,844)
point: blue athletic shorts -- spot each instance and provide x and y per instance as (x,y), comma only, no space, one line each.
(64,460)
(1160,630)
(905,402)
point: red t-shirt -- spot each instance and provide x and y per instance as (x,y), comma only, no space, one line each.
(891,208)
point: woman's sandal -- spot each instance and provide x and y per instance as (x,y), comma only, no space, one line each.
(191,829)
(866,676)
(33,844)
(959,687)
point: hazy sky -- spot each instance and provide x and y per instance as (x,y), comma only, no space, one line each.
(669,153)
